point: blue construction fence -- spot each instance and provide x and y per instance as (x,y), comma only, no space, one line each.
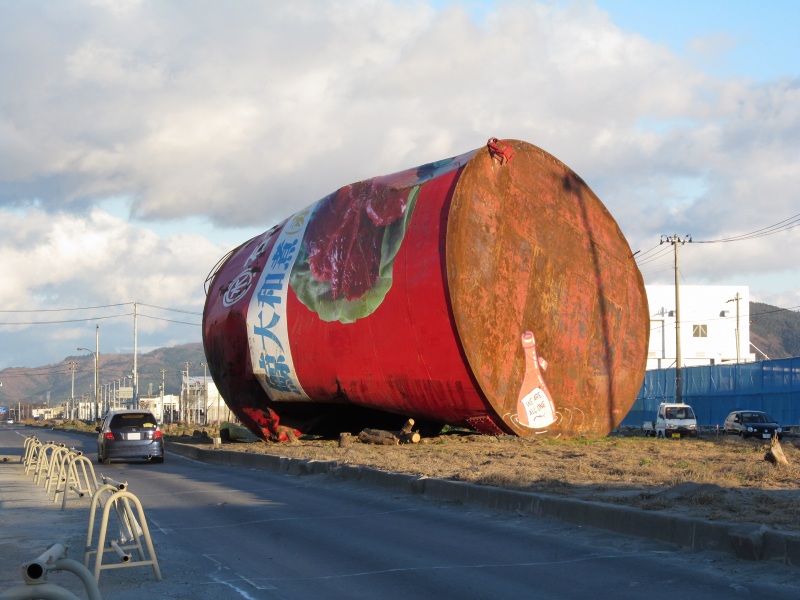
(714,391)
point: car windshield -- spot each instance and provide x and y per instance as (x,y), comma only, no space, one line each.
(757,417)
(138,420)
(683,412)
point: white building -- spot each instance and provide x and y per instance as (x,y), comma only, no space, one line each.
(202,401)
(714,327)
(168,405)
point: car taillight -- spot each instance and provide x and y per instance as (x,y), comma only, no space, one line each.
(157,434)
(109,435)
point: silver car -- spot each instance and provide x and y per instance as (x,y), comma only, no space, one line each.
(130,434)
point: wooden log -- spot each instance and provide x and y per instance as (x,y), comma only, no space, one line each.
(409,438)
(407,427)
(775,453)
(381,433)
(377,436)
(381,436)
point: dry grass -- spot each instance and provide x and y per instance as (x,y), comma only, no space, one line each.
(720,478)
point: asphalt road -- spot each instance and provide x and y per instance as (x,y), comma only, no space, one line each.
(232,532)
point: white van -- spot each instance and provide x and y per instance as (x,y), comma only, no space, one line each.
(675,421)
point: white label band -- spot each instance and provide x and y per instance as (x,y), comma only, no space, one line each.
(270,354)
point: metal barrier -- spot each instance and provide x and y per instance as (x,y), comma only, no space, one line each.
(32,456)
(35,572)
(113,494)
(27,449)
(45,457)
(53,463)
(57,460)
(78,478)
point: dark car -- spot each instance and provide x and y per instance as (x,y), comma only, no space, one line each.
(130,434)
(755,423)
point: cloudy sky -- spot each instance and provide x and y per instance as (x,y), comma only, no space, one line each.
(142,140)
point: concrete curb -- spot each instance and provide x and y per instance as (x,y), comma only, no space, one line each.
(749,541)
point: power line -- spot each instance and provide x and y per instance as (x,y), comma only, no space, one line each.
(65,309)
(778,227)
(97,318)
(661,269)
(769,312)
(64,320)
(663,251)
(187,312)
(170,320)
(646,252)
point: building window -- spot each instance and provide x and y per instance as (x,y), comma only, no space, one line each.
(699,330)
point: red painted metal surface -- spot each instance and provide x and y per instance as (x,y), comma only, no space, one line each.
(492,290)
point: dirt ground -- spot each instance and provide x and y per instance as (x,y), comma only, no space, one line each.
(714,477)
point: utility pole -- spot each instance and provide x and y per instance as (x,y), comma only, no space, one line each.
(96,372)
(163,371)
(72,365)
(736,299)
(135,380)
(186,403)
(205,390)
(676,241)
(96,354)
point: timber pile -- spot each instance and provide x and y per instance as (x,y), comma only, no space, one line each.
(406,435)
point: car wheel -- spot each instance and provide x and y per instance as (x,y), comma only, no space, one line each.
(741,434)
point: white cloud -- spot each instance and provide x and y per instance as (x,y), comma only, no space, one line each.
(103,259)
(243,113)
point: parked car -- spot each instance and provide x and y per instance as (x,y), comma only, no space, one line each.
(673,420)
(755,423)
(130,434)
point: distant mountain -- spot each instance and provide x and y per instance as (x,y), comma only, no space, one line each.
(774,331)
(53,383)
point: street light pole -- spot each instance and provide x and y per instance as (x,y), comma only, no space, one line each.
(72,365)
(96,400)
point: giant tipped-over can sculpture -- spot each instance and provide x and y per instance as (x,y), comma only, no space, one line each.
(491,291)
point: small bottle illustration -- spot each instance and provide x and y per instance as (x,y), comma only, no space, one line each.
(535,406)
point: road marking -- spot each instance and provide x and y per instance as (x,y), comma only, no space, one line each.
(231,583)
